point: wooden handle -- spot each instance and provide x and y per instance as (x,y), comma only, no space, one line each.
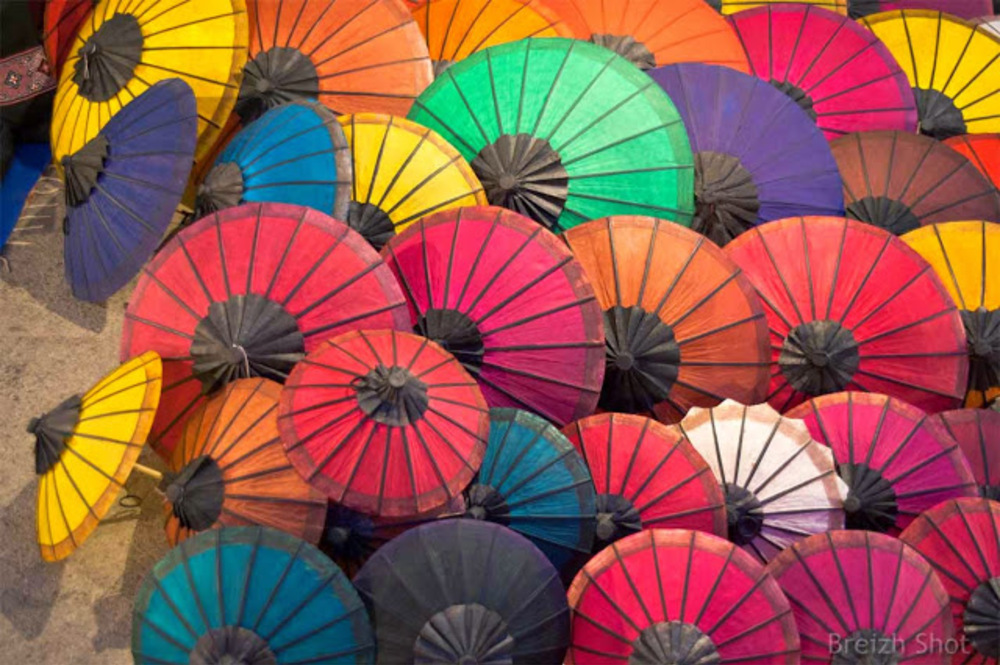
(146,471)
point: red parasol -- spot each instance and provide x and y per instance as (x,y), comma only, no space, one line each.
(648,476)
(247,292)
(680,597)
(851,307)
(983,150)
(978,434)
(63,19)
(894,460)
(862,597)
(384,422)
(961,539)
(508,299)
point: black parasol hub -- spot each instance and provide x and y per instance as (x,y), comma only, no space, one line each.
(726,200)
(673,643)
(627,47)
(871,500)
(222,188)
(196,494)
(483,502)
(83,168)
(51,431)
(981,619)
(274,77)
(457,333)
(245,336)
(617,517)
(391,395)
(525,174)
(744,512)
(797,95)
(982,333)
(107,60)
(232,645)
(860,8)
(642,360)
(373,223)
(881,211)
(939,117)
(819,357)
(464,634)
(347,534)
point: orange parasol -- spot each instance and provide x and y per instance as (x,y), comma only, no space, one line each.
(652,33)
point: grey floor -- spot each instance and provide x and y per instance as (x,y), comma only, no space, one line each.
(51,346)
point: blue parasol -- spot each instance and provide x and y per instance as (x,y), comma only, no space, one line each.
(249,595)
(123,187)
(294,153)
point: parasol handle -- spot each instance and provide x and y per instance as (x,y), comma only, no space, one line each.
(146,471)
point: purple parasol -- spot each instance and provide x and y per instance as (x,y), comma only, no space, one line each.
(758,156)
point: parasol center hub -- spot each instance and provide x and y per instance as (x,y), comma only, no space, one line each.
(673,643)
(373,223)
(627,47)
(642,360)
(797,95)
(457,333)
(884,212)
(939,117)
(744,512)
(196,494)
(232,645)
(982,332)
(265,341)
(277,76)
(51,430)
(107,60)
(726,197)
(981,616)
(870,504)
(819,357)
(617,517)
(486,503)
(391,395)
(222,188)
(525,174)
(466,633)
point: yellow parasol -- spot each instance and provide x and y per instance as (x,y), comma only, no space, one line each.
(87,447)
(402,171)
(966,256)
(128,45)
(953,67)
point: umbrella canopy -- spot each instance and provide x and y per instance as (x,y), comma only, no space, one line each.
(734,6)
(63,20)
(677,596)
(125,47)
(384,422)
(647,476)
(965,255)
(967,9)
(455,29)
(895,461)
(510,302)
(247,292)
(230,469)
(961,540)
(400,173)
(533,481)
(464,591)
(86,448)
(757,155)
(578,135)
(123,187)
(841,75)
(350,537)
(649,33)
(294,153)
(352,55)
(864,598)
(249,595)
(851,307)
(983,150)
(978,434)
(780,485)
(682,325)
(952,67)
(900,181)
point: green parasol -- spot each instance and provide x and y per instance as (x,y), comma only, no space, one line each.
(564,131)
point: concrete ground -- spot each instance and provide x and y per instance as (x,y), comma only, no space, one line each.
(77,612)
